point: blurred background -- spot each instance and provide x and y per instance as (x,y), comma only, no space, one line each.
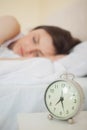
(64,13)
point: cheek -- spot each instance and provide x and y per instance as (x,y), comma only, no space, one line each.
(24,43)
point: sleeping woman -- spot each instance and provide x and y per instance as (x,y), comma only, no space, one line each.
(50,42)
(42,41)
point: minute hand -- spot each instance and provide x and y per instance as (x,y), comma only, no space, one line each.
(62,99)
(62,103)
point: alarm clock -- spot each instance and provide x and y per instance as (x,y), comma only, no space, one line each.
(64,98)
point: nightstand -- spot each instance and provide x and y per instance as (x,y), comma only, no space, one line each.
(40,121)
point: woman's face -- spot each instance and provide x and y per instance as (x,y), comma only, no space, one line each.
(38,43)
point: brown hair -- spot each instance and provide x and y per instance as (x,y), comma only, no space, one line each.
(62,39)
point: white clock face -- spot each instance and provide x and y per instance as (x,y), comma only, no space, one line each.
(62,99)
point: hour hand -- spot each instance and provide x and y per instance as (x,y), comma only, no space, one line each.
(58,101)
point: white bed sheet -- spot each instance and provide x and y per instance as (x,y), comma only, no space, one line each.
(32,71)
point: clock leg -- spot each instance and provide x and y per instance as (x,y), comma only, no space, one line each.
(50,117)
(70,121)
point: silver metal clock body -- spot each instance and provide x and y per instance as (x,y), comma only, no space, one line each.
(63,98)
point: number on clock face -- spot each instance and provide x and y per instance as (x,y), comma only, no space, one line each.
(62,99)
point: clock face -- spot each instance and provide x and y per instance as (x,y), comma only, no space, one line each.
(62,99)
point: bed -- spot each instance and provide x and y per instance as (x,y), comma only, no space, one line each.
(22,90)
(22,83)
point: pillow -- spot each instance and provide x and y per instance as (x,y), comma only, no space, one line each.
(76,61)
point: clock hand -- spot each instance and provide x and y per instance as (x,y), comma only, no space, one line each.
(62,103)
(58,101)
(62,99)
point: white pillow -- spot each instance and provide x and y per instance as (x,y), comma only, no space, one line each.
(76,61)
